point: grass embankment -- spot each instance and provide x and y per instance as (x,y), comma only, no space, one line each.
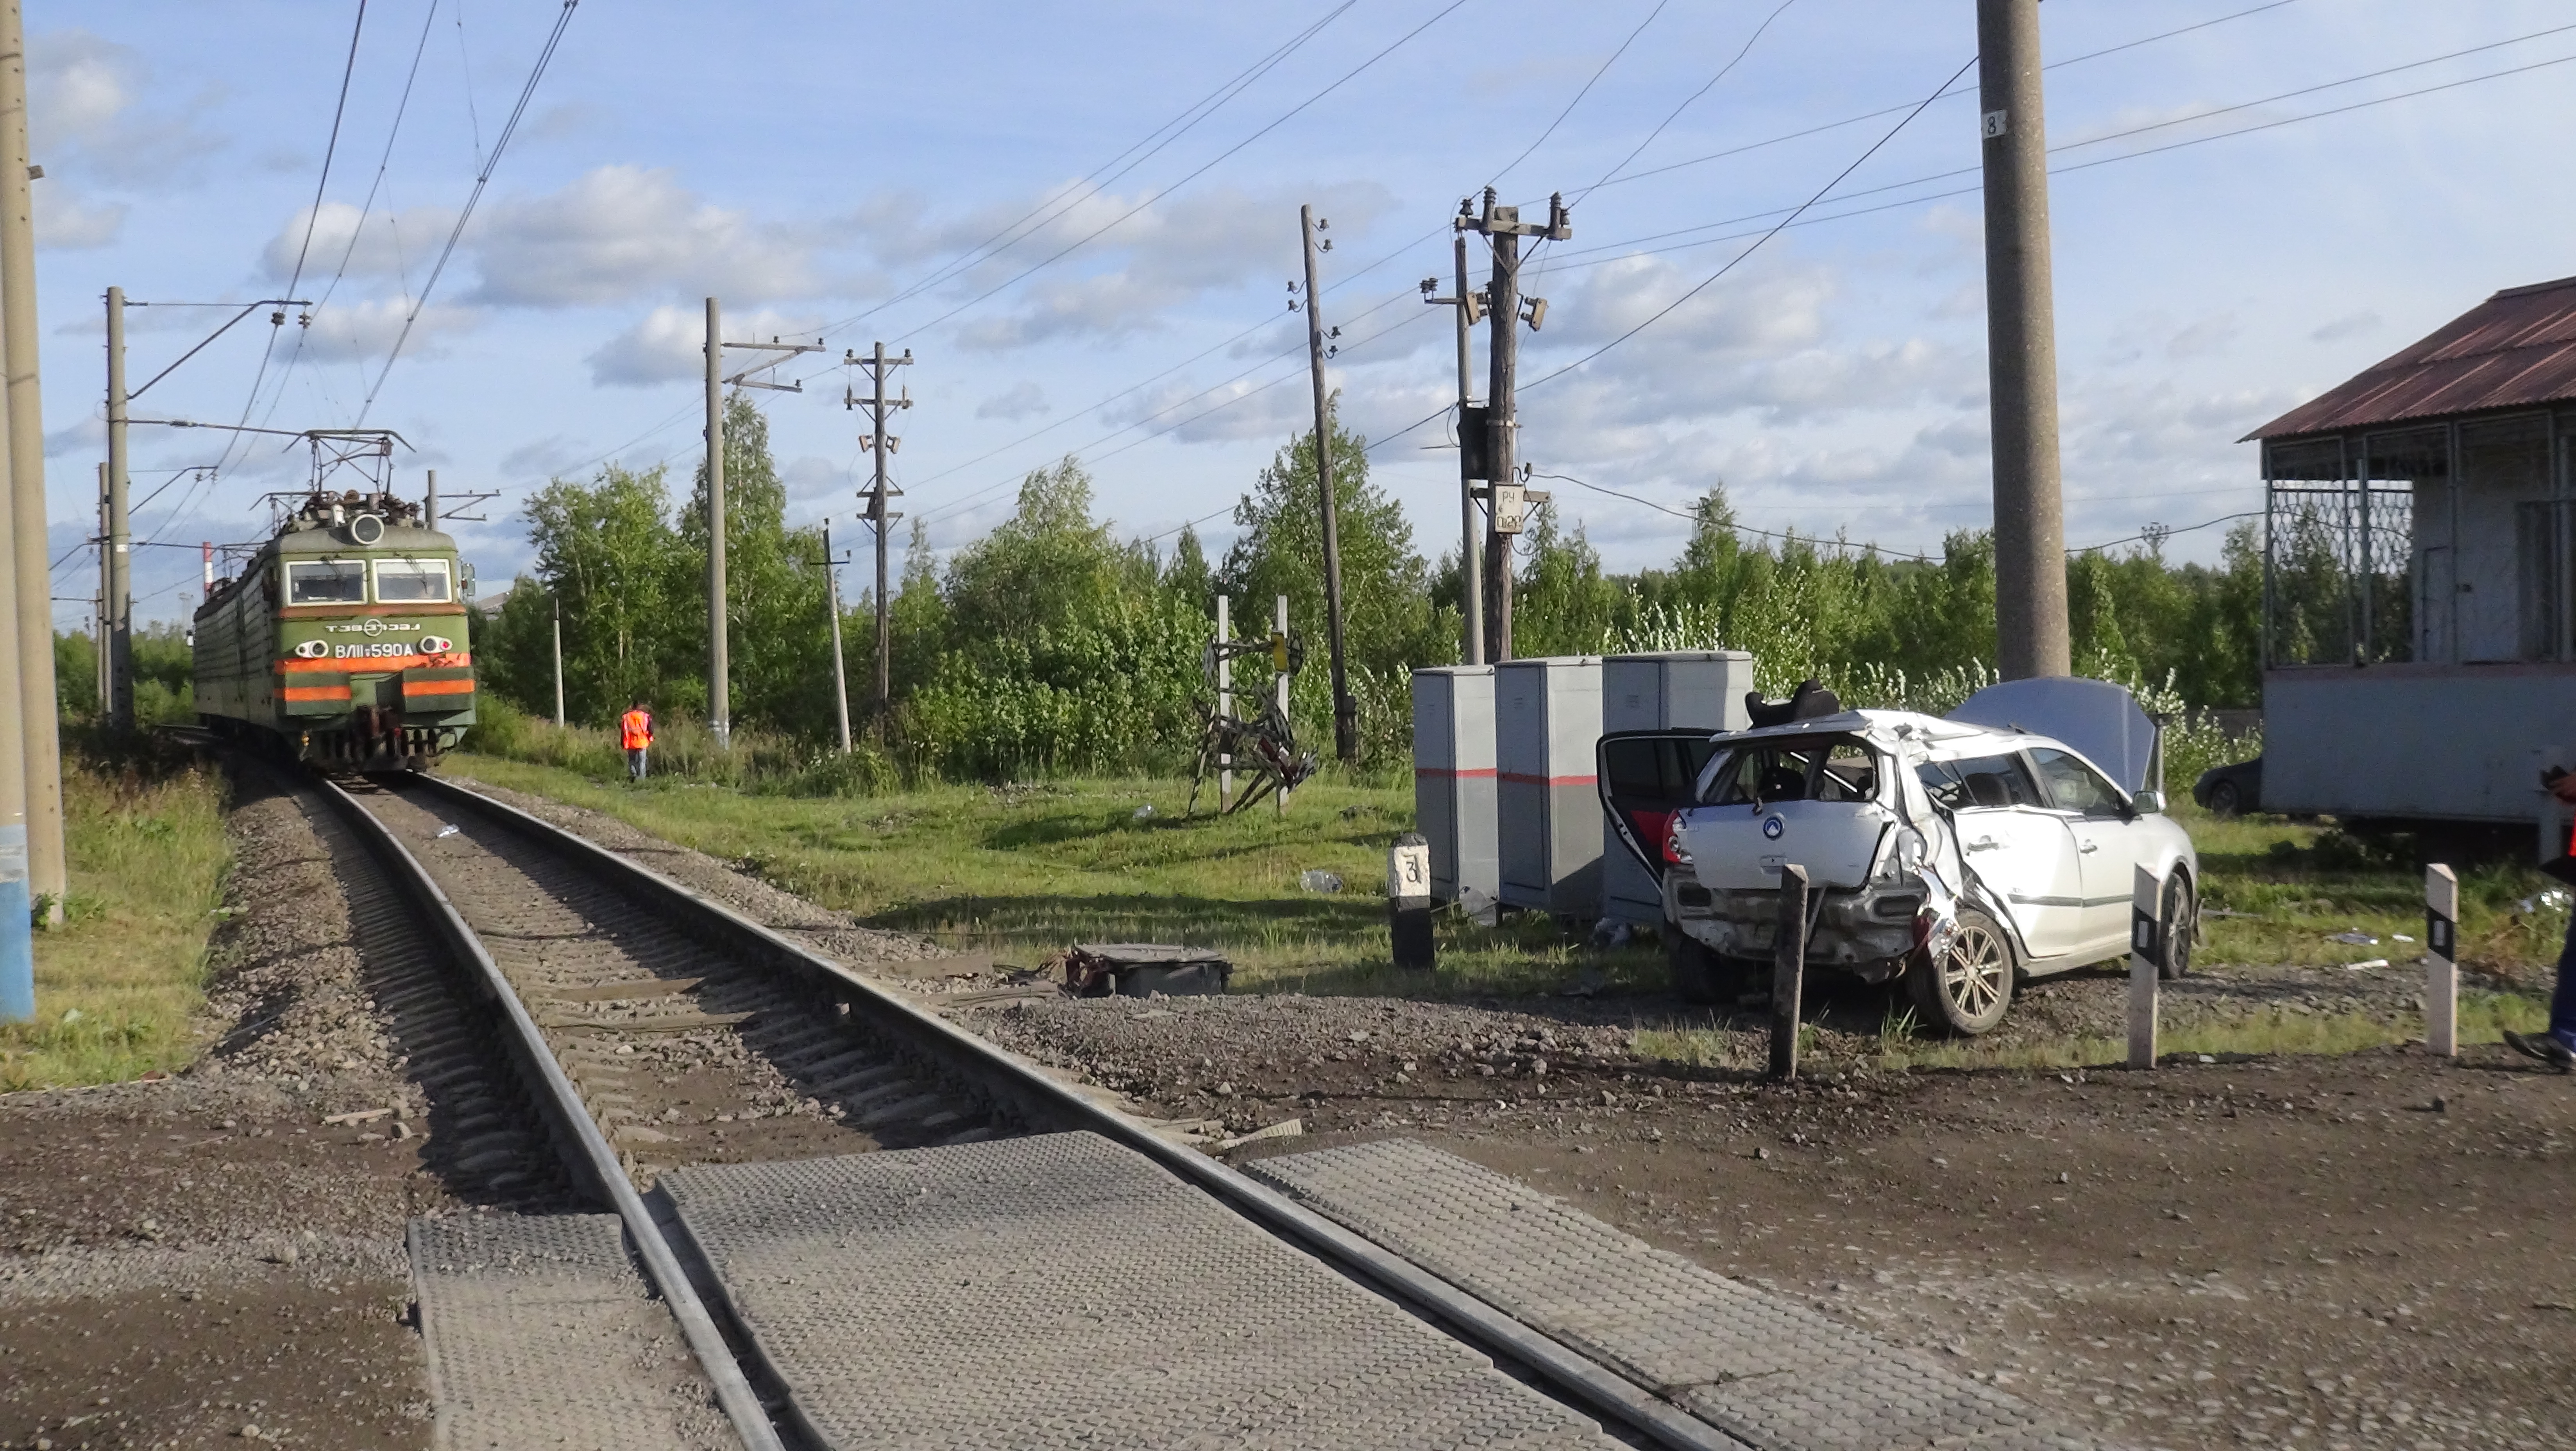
(1023,870)
(120,981)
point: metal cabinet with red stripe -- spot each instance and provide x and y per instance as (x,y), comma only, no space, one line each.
(1547,721)
(1667,690)
(1453,782)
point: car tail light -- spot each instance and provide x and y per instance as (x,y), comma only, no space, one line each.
(1674,855)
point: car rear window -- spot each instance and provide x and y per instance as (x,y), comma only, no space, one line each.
(1829,768)
(1978,781)
(1657,768)
(326,582)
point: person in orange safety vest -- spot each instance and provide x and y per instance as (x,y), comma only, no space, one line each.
(635,733)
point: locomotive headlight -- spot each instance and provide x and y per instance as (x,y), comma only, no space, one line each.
(312,649)
(436,644)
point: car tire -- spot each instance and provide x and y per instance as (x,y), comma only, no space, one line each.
(1695,970)
(1965,990)
(2179,914)
(2225,799)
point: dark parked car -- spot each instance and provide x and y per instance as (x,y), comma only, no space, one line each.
(2229,790)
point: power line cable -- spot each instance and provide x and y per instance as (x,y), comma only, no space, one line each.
(1731,263)
(1801,135)
(1689,101)
(1602,70)
(330,149)
(1101,176)
(1201,170)
(473,199)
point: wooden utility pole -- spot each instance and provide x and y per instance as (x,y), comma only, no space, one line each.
(719,662)
(2031,636)
(881,698)
(1469,308)
(120,538)
(1504,227)
(1346,715)
(832,605)
(47,872)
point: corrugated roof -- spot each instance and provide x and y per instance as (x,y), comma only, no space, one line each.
(2517,349)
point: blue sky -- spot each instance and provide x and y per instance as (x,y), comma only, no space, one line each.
(839,167)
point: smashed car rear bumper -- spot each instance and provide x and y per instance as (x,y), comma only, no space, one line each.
(1869,931)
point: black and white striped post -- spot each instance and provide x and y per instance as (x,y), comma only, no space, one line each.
(2441,961)
(2144,932)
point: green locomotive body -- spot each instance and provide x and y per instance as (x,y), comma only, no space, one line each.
(345,637)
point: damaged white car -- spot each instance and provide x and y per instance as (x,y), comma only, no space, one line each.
(1961,854)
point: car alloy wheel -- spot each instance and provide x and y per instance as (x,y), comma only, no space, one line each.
(2181,916)
(1965,990)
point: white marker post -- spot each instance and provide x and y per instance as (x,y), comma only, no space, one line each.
(2144,930)
(2441,963)
(1408,902)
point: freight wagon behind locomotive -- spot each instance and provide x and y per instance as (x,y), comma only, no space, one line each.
(343,638)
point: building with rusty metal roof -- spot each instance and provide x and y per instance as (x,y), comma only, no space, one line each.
(2419,626)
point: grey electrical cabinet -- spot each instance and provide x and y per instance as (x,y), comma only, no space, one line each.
(1453,782)
(1670,690)
(1547,719)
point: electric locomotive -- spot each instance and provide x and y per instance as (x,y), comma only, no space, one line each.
(344,638)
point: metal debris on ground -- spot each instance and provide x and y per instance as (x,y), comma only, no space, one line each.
(1262,749)
(449,830)
(2354,939)
(1140,969)
(1316,879)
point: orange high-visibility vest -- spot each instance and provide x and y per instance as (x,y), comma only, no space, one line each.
(636,729)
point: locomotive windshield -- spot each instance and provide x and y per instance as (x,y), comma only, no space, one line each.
(408,581)
(326,582)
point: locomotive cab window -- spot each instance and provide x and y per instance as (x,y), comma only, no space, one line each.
(411,581)
(326,582)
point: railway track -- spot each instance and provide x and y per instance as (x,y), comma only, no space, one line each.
(592,1032)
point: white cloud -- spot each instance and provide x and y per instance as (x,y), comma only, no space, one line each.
(380,244)
(67,221)
(670,343)
(365,329)
(2350,325)
(1023,399)
(1149,265)
(621,232)
(85,120)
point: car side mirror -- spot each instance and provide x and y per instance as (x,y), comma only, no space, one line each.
(2148,802)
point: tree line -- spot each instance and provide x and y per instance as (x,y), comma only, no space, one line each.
(1051,645)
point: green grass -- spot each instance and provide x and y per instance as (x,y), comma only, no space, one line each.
(1024,870)
(120,981)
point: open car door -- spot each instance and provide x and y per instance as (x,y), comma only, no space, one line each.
(1647,776)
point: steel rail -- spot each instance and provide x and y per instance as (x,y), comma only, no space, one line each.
(584,1149)
(1020,1085)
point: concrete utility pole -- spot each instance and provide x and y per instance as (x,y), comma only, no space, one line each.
(98,617)
(1504,227)
(48,874)
(1346,714)
(832,604)
(719,661)
(120,538)
(2021,347)
(1470,307)
(17,941)
(881,698)
(429,500)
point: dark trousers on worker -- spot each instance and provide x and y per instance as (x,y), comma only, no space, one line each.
(2562,1003)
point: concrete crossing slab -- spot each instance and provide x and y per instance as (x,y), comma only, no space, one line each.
(1762,1368)
(541,1333)
(1062,1291)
